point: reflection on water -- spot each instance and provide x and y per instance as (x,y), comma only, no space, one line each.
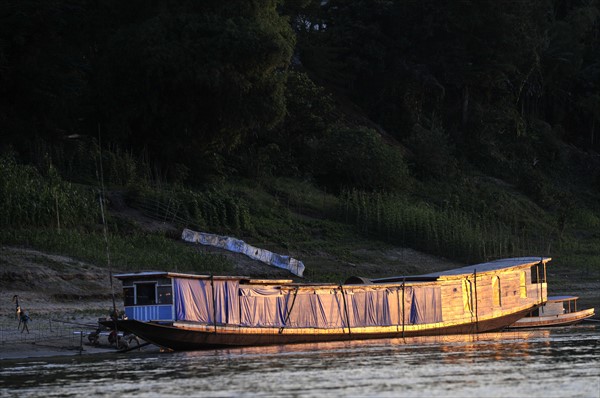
(557,363)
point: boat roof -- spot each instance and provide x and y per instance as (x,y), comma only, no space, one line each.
(146,275)
(496,265)
(561,298)
(162,274)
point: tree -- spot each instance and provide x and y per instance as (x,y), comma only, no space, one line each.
(358,158)
(43,70)
(196,77)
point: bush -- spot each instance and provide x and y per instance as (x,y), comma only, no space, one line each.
(432,153)
(358,158)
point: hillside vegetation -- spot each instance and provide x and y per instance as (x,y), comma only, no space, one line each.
(336,132)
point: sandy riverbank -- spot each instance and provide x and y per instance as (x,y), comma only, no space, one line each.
(65,297)
(50,336)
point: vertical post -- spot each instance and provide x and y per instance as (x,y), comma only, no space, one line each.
(57,212)
(539,285)
(289,311)
(476,306)
(403,308)
(399,308)
(212,288)
(346,310)
(545,280)
(80,341)
(239,294)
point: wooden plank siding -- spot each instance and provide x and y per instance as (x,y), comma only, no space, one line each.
(510,282)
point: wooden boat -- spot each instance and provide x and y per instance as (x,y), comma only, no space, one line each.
(190,312)
(557,311)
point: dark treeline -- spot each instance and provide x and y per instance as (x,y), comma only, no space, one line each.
(466,128)
(351,94)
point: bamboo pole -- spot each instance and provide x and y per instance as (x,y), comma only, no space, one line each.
(346,310)
(476,305)
(399,314)
(403,309)
(212,288)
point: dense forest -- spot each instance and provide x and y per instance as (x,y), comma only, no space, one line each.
(469,129)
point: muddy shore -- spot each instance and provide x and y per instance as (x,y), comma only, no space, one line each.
(65,298)
(54,335)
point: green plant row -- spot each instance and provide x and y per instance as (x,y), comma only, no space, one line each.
(28,198)
(208,210)
(445,232)
(133,252)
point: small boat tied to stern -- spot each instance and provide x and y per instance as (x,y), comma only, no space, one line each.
(557,311)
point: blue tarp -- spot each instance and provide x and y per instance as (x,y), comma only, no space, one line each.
(239,246)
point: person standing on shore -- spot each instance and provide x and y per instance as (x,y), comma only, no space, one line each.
(21,315)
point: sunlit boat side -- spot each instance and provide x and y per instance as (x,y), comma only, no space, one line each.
(189,312)
(557,311)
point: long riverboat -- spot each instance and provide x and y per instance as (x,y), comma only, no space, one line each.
(190,312)
(556,311)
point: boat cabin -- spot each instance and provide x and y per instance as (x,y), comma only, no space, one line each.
(468,294)
(557,305)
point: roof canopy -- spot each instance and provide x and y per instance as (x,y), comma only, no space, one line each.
(496,265)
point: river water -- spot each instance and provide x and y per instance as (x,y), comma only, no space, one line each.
(562,362)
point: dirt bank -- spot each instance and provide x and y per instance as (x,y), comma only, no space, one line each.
(64,296)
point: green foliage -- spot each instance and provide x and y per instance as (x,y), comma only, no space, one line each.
(301,196)
(29,199)
(212,209)
(134,252)
(360,158)
(192,80)
(447,232)
(289,148)
(196,92)
(43,70)
(432,153)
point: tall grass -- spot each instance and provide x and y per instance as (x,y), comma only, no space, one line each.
(211,209)
(78,160)
(446,232)
(27,198)
(133,252)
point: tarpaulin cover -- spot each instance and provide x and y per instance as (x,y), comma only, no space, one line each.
(272,306)
(194,300)
(426,305)
(296,267)
(261,306)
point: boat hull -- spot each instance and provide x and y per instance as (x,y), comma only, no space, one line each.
(185,337)
(571,318)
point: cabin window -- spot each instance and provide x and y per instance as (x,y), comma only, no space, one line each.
(145,293)
(534,274)
(148,293)
(523,284)
(129,296)
(496,291)
(538,273)
(165,295)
